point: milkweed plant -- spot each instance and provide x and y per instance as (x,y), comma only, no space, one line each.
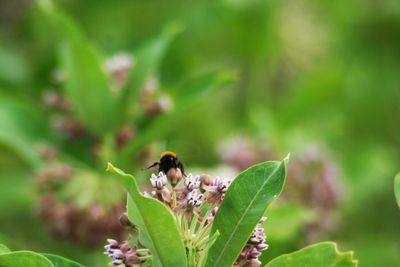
(197,220)
(188,219)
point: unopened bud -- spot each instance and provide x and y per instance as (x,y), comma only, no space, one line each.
(174,175)
(254,253)
(125,222)
(132,260)
(262,246)
(205,179)
(253,263)
(142,252)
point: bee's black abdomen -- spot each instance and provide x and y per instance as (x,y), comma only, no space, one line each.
(167,162)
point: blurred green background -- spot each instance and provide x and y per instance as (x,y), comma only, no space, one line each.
(307,73)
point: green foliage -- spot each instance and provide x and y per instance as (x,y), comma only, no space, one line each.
(303,68)
(322,255)
(32,259)
(87,85)
(244,204)
(89,90)
(158,229)
(397,188)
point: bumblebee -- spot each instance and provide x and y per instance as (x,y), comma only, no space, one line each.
(171,166)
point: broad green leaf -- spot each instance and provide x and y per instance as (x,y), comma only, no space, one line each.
(244,204)
(156,223)
(397,188)
(147,61)
(323,254)
(59,261)
(186,95)
(21,127)
(24,259)
(4,249)
(86,84)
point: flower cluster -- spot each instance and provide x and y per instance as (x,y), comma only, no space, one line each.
(118,67)
(152,100)
(217,189)
(194,200)
(313,179)
(87,224)
(255,245)
(161,192)
(122,253)
(314,182)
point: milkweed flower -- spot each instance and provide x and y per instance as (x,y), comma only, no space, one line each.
(191,182)
(158,181)
(217,189)
(191,203)
(121,253)
(161,192)
(118,67)
(194,202)
(255,245)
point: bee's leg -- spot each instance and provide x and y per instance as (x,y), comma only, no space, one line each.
(153,165)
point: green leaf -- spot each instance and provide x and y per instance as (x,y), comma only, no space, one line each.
(244,204)
(24,259)
(148,59)
(186,95)
(59,261)
(21,127)
(323,254)
(87,84)
(159,231)
(4,249)
(397,188)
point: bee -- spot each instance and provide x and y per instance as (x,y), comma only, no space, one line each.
(171,166)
